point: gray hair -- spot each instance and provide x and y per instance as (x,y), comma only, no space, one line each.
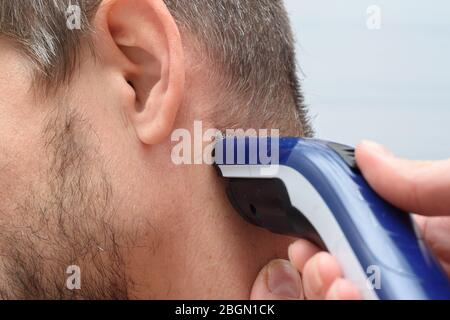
(249,43)
(39,28)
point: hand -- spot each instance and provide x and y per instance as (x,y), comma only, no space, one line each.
(422,187)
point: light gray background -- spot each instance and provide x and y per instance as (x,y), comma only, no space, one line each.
(390,85)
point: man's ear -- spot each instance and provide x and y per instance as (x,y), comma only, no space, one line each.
(146,35)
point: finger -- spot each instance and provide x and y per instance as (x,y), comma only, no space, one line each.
(414,186)
(318,275)
(279,280)
(300,252)
(343,289)
(435,231)
(446,267)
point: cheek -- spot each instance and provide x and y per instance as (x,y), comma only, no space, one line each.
(21,124)
(21,156)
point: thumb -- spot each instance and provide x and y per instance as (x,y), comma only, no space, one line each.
(415,186)
(279,280)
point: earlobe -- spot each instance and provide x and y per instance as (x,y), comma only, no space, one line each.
(146,34)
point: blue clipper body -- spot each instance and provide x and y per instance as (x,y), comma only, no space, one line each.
(313,189)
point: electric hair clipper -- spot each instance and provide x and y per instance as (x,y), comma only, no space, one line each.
(312,189)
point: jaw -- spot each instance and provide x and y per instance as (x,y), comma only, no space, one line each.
(204,249)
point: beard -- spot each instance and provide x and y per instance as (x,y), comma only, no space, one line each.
(65,222)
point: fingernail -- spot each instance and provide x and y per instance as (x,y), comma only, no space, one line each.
(283,280)
(319,265)
(376,147)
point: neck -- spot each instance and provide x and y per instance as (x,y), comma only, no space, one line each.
(204,251)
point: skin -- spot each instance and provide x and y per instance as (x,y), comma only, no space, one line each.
(144,83)
(419,187)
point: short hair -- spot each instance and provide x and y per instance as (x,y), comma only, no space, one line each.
(249,44)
